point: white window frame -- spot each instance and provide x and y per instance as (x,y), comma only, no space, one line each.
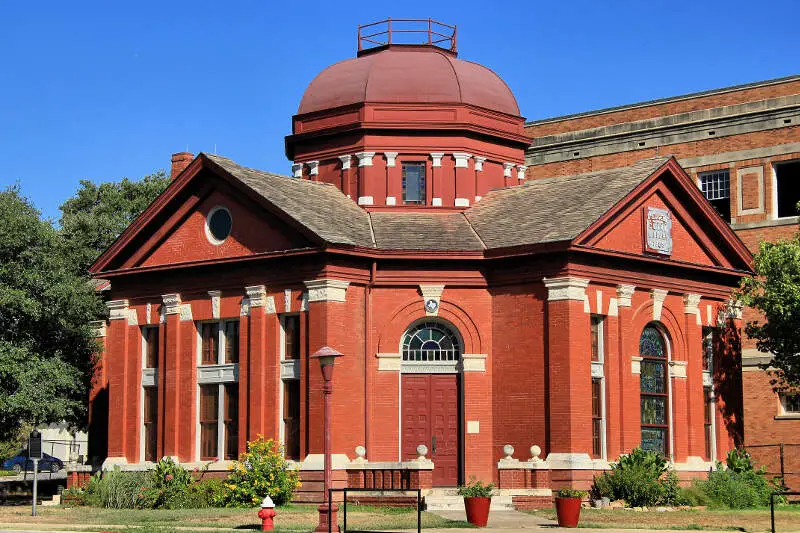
(598,371)
(149,380)
(782,411)
(774,198)
(290,370)
(220,374)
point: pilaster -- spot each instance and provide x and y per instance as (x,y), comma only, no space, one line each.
(256,361)
(117,341)
(694,376)
(629,388)
(171,307)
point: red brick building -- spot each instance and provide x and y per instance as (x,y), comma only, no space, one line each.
(741,145)
(478,311)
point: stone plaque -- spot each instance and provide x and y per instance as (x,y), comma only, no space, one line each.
(658,231)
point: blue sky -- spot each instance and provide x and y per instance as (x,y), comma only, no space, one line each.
(106,90)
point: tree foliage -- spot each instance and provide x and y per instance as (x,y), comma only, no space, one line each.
(775,293)
(97,214)
(46,306)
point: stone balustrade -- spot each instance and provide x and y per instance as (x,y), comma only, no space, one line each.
(414,474)
(528,481)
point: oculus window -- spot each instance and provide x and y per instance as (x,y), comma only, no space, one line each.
(218,225)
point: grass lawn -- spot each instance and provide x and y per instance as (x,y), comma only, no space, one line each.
(787,518)
(289,518)
(7,473)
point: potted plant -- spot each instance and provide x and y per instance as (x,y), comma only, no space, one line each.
(568,506)
(477,498)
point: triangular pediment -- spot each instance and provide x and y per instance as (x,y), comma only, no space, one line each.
(667,217)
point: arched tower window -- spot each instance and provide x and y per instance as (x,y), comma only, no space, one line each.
(654,391)
(430,342)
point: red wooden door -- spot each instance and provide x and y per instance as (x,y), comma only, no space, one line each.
(430,417)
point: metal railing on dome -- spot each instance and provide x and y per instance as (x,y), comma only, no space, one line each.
(407,31)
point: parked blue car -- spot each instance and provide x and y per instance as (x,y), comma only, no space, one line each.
(20,462)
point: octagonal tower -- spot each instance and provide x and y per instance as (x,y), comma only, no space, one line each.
(406,124)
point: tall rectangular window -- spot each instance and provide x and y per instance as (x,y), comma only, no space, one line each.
(209,416)
(291,337)
(150,420)
(787,183)
(413,182)
(291,418)
(654,392)
(231,420)
(597,417)
(708,347)
(716,187)
(596,334)
(150,337)
(209,334)
(231,341)
(708,421)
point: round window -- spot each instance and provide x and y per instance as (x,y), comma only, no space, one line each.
(218,224)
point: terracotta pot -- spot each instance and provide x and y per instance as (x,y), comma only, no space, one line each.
(477,510)
(568,511)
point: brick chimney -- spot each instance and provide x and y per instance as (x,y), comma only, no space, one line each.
(180,161)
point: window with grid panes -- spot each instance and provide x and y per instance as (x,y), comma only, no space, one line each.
(790,402)
(291,388)
(653,385)
(209,334)
(716,187)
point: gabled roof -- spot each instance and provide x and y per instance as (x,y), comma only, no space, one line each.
(554,209)
(319,207)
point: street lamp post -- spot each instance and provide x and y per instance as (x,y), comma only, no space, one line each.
(326,357)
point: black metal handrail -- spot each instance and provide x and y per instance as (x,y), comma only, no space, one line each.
(772,506)
(344,508)
(435,31)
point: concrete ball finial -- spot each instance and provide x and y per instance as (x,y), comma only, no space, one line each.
(361,452)
(422,450)
(535,453)
(509,451)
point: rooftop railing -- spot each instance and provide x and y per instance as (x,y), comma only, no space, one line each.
(407,31)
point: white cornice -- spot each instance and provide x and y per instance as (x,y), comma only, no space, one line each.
(565,288)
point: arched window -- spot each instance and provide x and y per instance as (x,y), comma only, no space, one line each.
(654,391)
(430,342)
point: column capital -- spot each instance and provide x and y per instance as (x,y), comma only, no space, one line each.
(521,172)
(297,170)
(565,288)
(171,303)
(437,158)
(365,158)
(313,167)
(391,158)
(462,159)
(117,309)
(479,161)
(327,290)
(98,328)
(507,168)
(691,306)
(345,159)
(624,295)
(257,294)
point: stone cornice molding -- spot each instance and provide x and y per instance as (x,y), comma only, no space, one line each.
(313,168)
(436,157)
(98,328)
(624,295)
(297,170)
(565,288)
(327,290)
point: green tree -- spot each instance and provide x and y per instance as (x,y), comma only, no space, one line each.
(46,344)
(96,214)
(775,293)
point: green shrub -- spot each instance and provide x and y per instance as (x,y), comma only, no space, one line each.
(640,478)
(116,490)
(693,495)
(571,493)
(169,488)
(476,489)
(208,493)
(261,471)
(738,486)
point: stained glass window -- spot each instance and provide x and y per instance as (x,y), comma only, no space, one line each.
(430,341)
(653,387)
(413,183)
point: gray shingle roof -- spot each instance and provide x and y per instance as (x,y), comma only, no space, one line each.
(540,211)
(554,209)
(319,207)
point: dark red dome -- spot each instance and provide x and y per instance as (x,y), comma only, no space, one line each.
(408,74)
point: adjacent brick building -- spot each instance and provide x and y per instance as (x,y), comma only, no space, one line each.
(741,145)
(478,310)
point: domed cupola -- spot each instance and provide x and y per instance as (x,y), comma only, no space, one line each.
(406,123)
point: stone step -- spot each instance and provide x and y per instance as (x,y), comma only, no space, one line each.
(443,500)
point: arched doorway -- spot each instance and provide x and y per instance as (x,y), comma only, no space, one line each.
(430,397)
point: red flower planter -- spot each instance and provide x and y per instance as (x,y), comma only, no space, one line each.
(477,510)
(568,511)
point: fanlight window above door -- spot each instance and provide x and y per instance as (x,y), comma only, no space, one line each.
(429,342)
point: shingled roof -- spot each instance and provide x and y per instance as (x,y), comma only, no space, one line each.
(554,209)
(540,211)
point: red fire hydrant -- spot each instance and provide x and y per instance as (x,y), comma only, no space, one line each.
(266,514)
